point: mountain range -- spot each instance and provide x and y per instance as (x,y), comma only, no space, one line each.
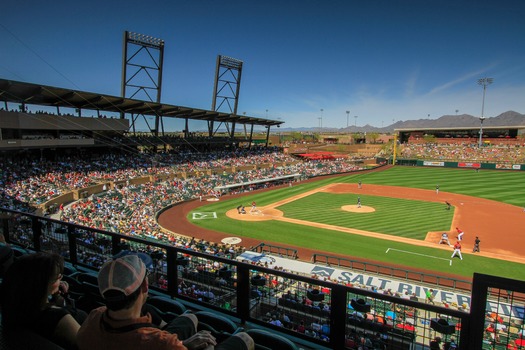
(509,118)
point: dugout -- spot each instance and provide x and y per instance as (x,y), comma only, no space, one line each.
(257,184)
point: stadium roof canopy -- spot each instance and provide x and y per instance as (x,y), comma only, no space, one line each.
(34,94)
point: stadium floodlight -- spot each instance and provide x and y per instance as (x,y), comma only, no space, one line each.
(230,62)
(146,40)
(483,82)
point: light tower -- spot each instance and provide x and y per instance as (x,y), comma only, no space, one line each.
(483,82)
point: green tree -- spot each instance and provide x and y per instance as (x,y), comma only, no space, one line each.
(373,136)
(358,137)
(296,136)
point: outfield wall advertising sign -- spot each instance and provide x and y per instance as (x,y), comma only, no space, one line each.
(468,165)
(429,163)
(508,166)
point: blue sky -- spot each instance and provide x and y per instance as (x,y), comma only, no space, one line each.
(383,61)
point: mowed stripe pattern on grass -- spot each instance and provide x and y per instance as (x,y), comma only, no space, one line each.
(504,186)
(405,218)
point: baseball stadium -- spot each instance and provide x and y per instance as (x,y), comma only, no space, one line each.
(299,247)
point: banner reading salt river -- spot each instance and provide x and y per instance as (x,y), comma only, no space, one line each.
(358,279)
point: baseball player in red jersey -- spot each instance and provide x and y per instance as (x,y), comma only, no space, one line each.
(457,250)
(460,234)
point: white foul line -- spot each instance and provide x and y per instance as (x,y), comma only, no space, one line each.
(428,256)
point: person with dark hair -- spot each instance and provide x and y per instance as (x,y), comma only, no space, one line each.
(32,298)
(435,344)
(120,324)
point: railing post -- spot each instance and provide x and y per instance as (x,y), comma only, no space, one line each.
(5,226)
(477,312)
(243,292)
(338,317)
(115,245)
(36,227)
(172,271)
(72,242)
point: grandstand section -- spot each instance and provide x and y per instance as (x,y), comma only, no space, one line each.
(492,135)
(65,190)
(46,116)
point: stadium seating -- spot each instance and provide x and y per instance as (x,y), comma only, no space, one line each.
(215,322)
(166,304)
(265,340)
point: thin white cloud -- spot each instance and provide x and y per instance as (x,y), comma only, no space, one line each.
(411,83)
(467,76)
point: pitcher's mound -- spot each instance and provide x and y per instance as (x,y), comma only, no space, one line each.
(355,209)
(260,214)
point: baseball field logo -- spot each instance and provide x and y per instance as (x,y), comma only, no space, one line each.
(204,215)
(322,271)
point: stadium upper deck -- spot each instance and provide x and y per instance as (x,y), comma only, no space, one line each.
(24,125)
(512,134)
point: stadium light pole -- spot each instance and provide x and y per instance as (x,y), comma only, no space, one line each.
(347,117)
(355,121)
(483,82)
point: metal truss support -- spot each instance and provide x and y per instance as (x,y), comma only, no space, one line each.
(267,134)
(142,63)
(226,89)
(250,139)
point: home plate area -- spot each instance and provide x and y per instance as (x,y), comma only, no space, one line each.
(260,214)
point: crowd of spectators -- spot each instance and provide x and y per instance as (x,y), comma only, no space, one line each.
(33,182)
(131,209)
(513,154)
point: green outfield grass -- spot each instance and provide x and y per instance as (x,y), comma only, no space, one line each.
(400,217)
(508,187)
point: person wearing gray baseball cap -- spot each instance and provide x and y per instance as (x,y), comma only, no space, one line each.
(120,324)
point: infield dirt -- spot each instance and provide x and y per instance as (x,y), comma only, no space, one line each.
(496,224)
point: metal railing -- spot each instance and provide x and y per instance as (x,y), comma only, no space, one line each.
(316,312)
(412,275)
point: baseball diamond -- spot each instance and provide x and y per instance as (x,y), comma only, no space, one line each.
(349,232)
